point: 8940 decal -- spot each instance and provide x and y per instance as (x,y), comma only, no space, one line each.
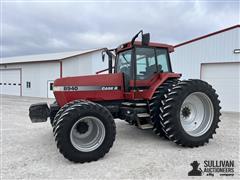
(70,88)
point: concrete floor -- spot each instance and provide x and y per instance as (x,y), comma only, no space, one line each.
(29,151)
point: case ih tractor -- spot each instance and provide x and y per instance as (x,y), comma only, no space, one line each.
(140,88)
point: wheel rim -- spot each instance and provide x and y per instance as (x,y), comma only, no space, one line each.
(87,134)
(196,114)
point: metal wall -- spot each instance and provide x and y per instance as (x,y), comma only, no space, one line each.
(38,74)
(87,64)
(194,60)
(187,59)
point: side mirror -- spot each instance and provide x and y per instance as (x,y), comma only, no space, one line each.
(145,39)
(103,56)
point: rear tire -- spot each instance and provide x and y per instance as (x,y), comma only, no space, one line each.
(155,104)
(190,113)
(85,132)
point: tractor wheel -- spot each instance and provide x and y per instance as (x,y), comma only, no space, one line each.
(155,104)
(190,113)
(85,132)
(51,120)
(51,117)
(61,110)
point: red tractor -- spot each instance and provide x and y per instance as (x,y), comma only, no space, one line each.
(140,88)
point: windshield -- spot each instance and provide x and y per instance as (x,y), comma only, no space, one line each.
(149,61)
(124,62)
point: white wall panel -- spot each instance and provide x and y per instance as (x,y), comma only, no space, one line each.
(76,66)
(97,63)
(87,64)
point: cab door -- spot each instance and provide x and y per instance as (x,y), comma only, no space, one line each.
(151,64)
(145,69)
(125,66)
(146,64)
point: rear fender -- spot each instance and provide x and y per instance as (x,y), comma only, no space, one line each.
(162,78)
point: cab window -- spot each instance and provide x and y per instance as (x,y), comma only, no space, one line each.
(162,60)
(145,63)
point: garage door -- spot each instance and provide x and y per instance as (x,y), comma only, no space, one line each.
(224,77)
(10,82)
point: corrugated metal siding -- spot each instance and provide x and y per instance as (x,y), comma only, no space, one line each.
(38,74)
(87,64)
(97,63)
(187,59)
(76,66)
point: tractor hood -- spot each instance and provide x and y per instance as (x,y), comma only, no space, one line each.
(93,87)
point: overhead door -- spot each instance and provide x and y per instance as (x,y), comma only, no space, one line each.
(224,77)
(10,81)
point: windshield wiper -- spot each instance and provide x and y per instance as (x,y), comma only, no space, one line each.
(123,55)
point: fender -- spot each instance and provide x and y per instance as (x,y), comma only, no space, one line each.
(160,81)
(151,85)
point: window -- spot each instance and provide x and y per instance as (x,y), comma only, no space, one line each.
(162,60)
(124,62)
(28,84)
(145,62)
(51,86)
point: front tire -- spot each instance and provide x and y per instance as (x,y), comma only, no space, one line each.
(190,113)
(85,132)
(61,110)
(53,114)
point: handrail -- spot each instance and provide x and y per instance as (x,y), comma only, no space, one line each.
(98,72)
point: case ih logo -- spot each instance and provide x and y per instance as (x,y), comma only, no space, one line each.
(109,88)
(211,168)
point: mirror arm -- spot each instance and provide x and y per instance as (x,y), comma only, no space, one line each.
(110,57)
(135,37)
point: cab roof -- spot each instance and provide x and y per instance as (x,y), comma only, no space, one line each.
(128,45)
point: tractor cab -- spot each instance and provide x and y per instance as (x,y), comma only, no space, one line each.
(141,63)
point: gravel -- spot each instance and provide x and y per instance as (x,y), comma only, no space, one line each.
(29,150)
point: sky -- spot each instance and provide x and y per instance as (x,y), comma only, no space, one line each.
(36,27)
